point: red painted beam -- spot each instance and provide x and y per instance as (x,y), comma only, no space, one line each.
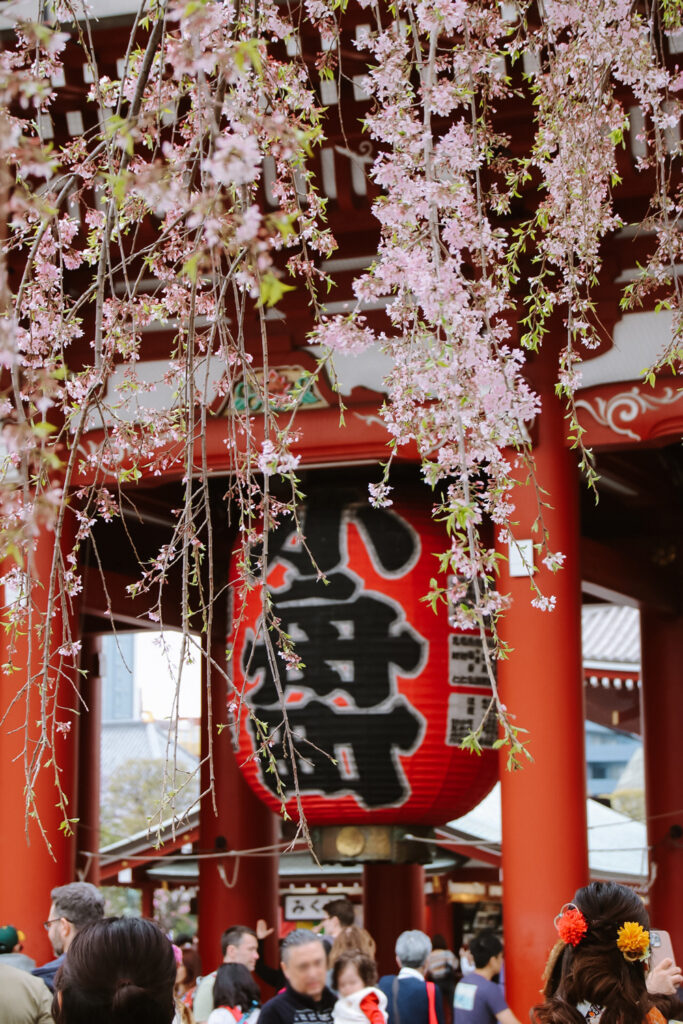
(109,600)
(321,441)
(109,869)
(606,573)
(613,416)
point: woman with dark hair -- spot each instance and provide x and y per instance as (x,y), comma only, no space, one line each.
(596,972)
(120,970)
(235,996)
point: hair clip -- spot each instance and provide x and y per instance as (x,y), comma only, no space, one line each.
(571,924)
(633,941)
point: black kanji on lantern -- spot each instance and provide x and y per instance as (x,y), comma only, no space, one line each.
(356,742)
(352,642)
(354,646)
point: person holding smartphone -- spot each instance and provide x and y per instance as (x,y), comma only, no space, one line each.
(598,971)
(665,976)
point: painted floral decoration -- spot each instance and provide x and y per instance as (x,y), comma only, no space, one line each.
(571,925)
(633,941)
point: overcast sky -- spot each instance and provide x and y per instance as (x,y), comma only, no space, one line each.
(155,673)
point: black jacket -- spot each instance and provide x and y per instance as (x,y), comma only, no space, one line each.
(272,976)
(290,1007)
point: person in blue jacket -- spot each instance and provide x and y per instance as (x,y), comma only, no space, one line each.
(408,997)
(72,907)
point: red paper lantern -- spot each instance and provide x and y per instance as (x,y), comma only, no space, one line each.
(388,689)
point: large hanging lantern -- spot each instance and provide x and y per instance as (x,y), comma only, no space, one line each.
(387,689)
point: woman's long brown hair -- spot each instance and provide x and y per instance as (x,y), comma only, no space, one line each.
(595,971)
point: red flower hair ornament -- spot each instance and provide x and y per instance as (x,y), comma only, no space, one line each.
(571,924)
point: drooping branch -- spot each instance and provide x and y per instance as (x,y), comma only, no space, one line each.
(154,218)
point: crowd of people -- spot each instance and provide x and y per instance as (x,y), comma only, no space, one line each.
(110,970)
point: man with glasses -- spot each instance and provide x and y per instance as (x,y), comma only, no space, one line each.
(73,906)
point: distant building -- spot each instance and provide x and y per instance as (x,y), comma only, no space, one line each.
(123,742)
(611,665)
(629,793)
(120,702)
(128,733)
(608,751)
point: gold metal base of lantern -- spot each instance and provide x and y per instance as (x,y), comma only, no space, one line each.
(340,844)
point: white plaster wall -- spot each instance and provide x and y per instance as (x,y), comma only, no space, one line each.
(639,338)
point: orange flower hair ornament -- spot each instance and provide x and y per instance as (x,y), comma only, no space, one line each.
(571,924)
(633,941)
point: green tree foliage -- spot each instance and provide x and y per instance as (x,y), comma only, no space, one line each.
(142,794)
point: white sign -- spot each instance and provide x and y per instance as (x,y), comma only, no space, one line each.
(305,908)
(521,557)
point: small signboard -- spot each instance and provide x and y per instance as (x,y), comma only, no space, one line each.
(305,908)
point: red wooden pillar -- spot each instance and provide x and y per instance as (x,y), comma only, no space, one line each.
(35,862)
(147,890)
(544,836)
(662,657)
(439,914)
(88,833)
(231,890)
(393,902)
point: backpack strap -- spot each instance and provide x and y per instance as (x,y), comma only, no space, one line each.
(394,998)
(431,997)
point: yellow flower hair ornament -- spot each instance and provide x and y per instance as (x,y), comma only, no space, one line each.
(633,941)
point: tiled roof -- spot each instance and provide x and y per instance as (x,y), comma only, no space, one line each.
(610,636)
(136,741)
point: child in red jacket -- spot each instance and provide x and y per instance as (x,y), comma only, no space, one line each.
(354,976)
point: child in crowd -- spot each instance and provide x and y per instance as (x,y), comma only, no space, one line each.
(235,996)
(354,977)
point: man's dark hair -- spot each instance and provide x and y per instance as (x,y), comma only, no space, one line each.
(342,909)
(80,903)
(299,937)
(118,969)
(233,936)
(483,947)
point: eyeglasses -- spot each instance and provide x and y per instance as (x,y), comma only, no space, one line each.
(53,920)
